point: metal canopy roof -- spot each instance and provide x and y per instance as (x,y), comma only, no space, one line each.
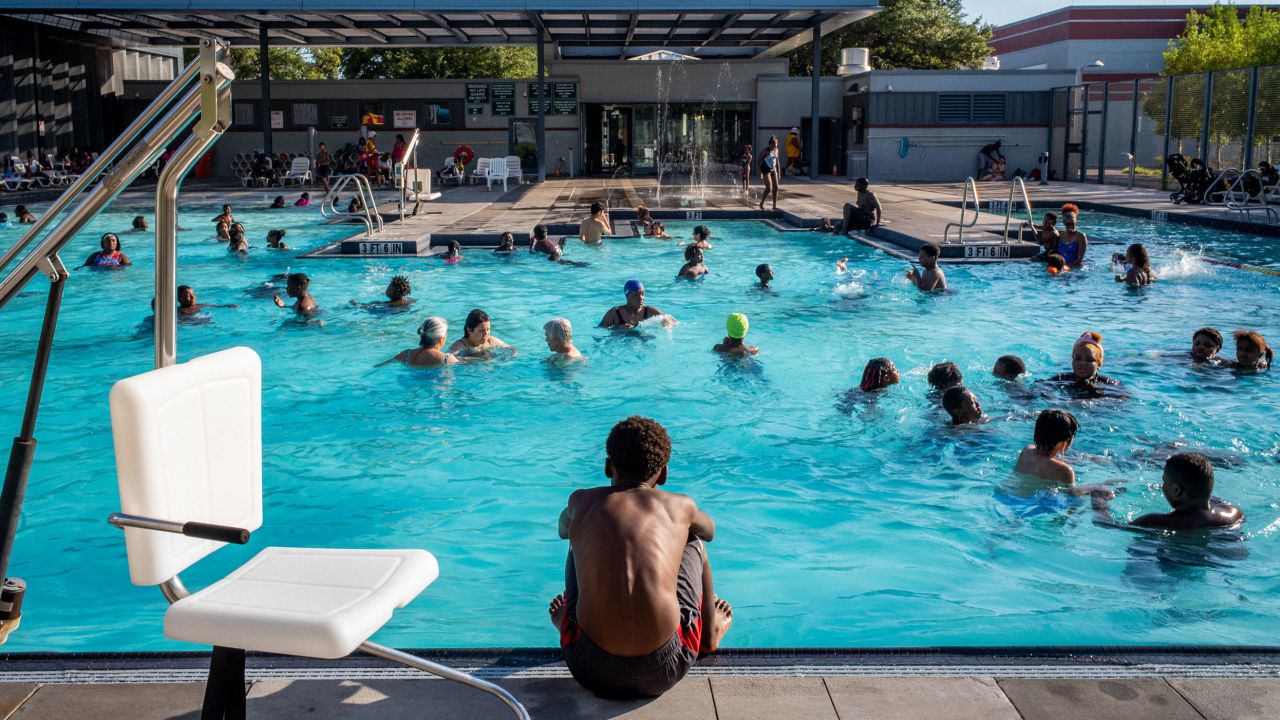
(579,28)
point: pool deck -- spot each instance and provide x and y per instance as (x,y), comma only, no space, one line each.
(914,213)
(787,685)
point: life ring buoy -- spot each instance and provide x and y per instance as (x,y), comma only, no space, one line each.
(464,154)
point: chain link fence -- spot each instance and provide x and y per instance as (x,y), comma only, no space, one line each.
(1120,132)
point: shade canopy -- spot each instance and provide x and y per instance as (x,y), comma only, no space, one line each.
(578,28)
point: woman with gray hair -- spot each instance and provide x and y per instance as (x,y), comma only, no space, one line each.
(431,336)
(560,341)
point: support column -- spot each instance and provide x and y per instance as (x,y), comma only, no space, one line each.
(1168,120)
(1252,126)
(264,65)
(815,127)
(542,108)
(1208,113)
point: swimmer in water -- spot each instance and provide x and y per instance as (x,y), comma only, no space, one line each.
(298,286)
(734,343)
(506,244)
(944,376)
(453,253)
(701,237)
(559,335)
(842,266)
(275,240)
(1009,367)
(278,203)
(187,304)
(356,205)
(878,375)
(693,266)
(556,255)
(109,256)
(1046,234)
(225,216)
(1188,488)
(1086,358)
(139,224)
(1252,352)
(1054,432)
(238,243)
(962,405)
(634,312)
(1205,345)
(431,337)
(304,201)
(476,340)
(397,292)
(1073,243)
(651,227)
(539,243)
(764,273)
(1055,265)
(594,228)
(22,215)
(1137,266)
(930,278)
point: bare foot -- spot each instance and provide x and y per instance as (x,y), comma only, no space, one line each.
(724,619)
(558,610)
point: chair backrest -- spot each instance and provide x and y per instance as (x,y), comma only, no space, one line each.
(482,166)
(513,162)
(498,167)
(300,165)
(188,442)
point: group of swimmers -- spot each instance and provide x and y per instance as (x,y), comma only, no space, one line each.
(1065,251)
(233,233)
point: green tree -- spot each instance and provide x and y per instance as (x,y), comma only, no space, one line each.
(439,63)
(1220,39)
(288,63)
(916,34)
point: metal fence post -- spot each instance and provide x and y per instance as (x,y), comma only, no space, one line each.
(1133,124)
(1102,141)
(1208,111)
(1168,122)
(1253,112)
(1084,131)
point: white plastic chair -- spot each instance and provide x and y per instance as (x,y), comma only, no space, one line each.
(299,172)
(514,171)
(482,170)
(497,172)
(188,443)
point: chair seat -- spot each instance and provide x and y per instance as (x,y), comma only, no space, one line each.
(311,602)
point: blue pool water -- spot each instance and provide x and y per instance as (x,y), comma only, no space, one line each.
(881,527)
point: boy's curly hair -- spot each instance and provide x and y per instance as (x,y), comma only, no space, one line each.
(400,284)
(638,447)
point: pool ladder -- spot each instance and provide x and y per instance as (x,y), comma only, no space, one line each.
(969,187)
(1017,186)
(199,99)
(370,216)
(1238,199)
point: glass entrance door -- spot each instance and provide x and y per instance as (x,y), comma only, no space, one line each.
(522,141)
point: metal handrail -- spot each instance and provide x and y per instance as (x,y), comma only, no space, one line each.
(103,162)
(1218,181)
(1014,186)
(1246,208)
(969,184)
(370,216)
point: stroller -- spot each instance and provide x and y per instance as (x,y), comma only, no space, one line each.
(1193,178)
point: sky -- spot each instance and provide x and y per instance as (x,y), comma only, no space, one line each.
(1000,12)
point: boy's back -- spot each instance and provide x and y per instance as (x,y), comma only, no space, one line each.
(627,547)
(1036,464)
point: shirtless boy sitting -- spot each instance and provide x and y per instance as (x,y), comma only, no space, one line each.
(638,606)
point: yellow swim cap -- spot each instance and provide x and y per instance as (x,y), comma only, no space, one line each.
(737,325)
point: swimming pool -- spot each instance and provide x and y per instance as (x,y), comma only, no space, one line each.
(876,528)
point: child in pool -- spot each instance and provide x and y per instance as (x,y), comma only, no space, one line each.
(764,272)
(1188,486)
(225,216)
(929,277)
(298,287)
(454,253)
(1046,235)
(139,224)
(734,343)
(187,304)
(693,266)
(842,266)
(397,295)
(303,201)
(1137,266)
(1056,265)
(1055,431)
(1252,352)
(701,237)
(1009,367)
(506,244)
(962,405)
(22,215)
(275,240)
(878,375)
(944,375)
(278,203)
(1205,345)
(1086,358)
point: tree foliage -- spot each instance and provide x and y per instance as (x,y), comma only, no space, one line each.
(1220,39)
(439,63)
(320,63)
(915,34)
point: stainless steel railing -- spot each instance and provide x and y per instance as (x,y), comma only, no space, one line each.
(410,158)
(969,186)
(1016,186)
(370,216)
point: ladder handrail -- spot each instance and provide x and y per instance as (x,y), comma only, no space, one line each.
(411,155)
(370,216)
(1245,209)
(1204,199)
(969,184)
(1015,185)
(102,163)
